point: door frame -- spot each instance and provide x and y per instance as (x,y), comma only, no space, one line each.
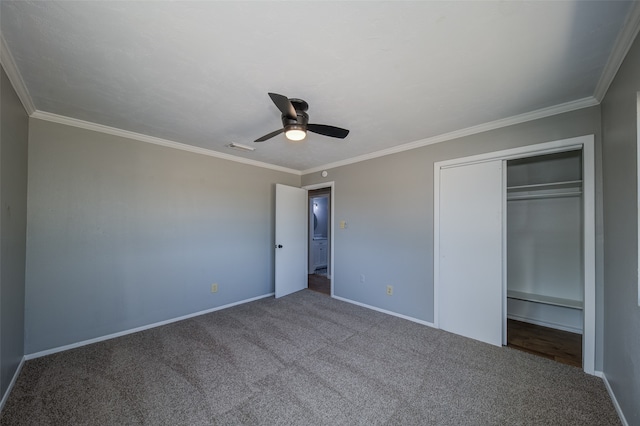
(331,185)
(586,144)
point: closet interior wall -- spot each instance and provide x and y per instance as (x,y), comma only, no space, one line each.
(545,283)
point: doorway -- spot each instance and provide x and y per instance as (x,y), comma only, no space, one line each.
(319,240)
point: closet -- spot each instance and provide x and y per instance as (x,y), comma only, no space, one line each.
(544,240)
(514,237)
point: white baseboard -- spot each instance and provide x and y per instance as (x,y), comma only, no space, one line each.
(384,311)
(613,397)
(13,382)
(144,327)
(545,324)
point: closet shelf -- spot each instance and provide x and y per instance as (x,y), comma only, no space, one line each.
(548,300)
(571,188)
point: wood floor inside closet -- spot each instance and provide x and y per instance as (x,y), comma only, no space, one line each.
(558,345)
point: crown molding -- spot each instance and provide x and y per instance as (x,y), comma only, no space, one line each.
(522,118)
(60,119)
(492,125)
(620,49)
(509,121)
(10,67)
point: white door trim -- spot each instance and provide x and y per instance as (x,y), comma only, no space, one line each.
(332,264)
(586,143)
(504,252)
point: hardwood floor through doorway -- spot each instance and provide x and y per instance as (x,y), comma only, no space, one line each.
(320,283)
(561,346)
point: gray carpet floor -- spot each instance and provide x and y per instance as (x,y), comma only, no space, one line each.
(305,359)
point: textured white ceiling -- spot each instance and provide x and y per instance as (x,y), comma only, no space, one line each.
(393,73)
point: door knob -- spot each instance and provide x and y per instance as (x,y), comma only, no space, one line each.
(279,246)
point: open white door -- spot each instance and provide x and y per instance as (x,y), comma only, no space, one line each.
(291,240)
(470,260)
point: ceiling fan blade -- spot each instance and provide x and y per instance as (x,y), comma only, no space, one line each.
(284,105)
(269,135)
(323,129)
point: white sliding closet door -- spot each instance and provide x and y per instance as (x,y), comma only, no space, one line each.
(471,251)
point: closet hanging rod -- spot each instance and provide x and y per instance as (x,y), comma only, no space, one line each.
(511,197)
(542,186)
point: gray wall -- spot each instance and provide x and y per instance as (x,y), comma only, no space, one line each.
(14,128)
(622,314)
(387,203)
(123,234)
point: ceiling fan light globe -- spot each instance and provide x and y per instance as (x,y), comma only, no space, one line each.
(295,134)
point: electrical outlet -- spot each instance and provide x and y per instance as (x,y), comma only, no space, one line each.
(390,290)
(361,278)
(214,288)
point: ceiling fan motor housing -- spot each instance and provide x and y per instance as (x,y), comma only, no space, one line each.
(301,120)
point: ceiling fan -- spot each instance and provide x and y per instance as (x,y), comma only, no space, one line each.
(295,121)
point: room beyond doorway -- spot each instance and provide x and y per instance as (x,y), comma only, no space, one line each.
(319,240)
